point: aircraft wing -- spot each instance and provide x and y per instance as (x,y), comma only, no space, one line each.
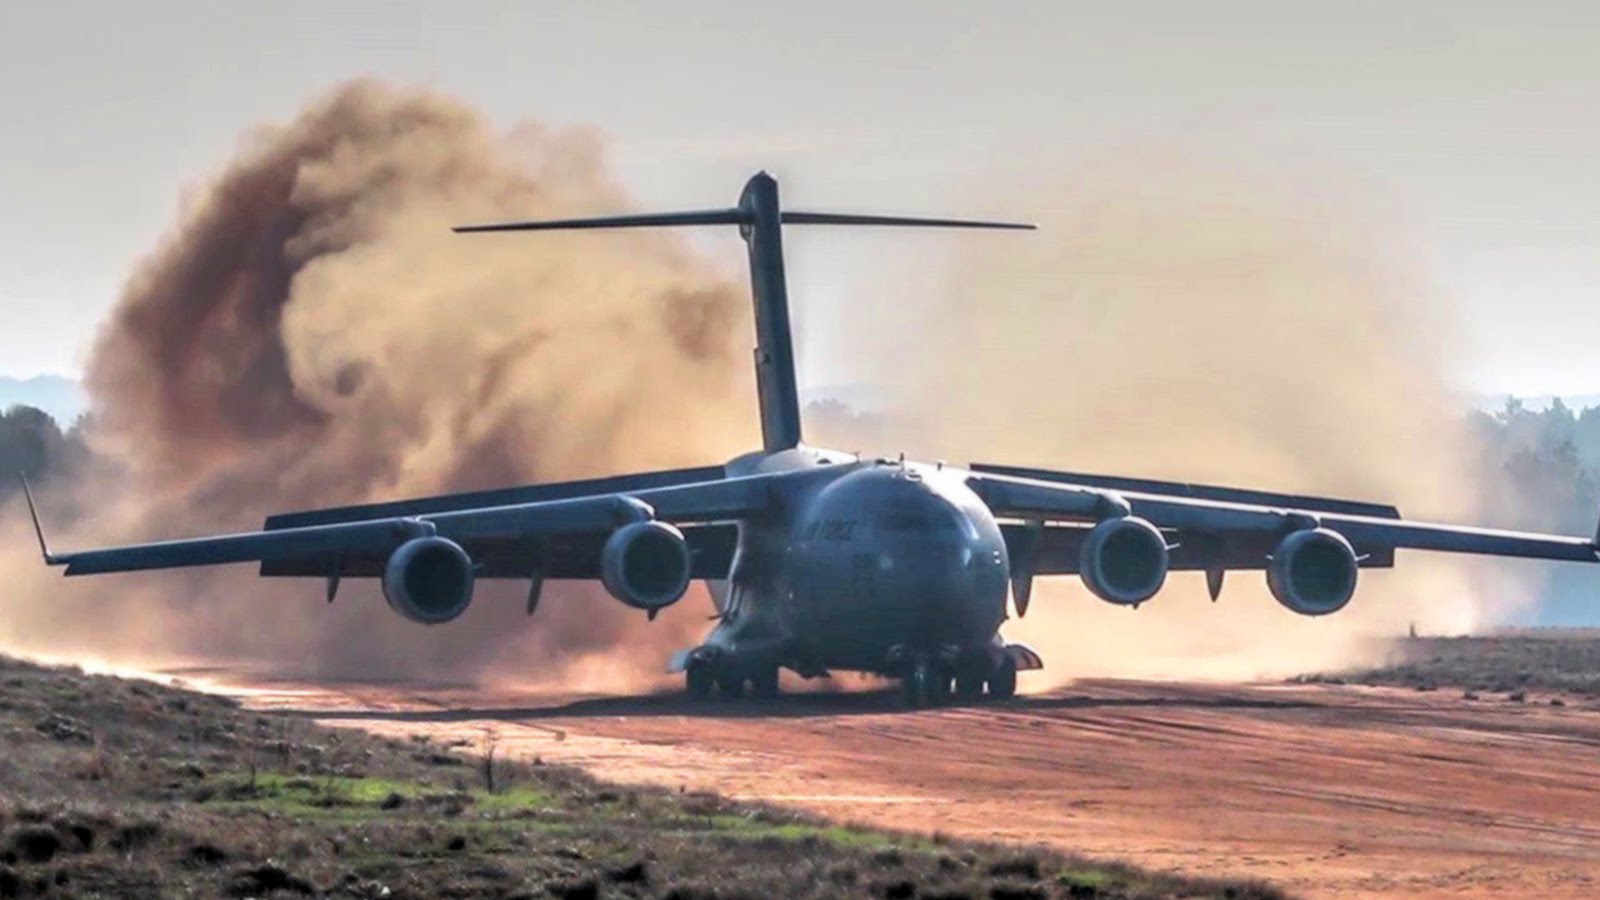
(1225,528)
(561,519)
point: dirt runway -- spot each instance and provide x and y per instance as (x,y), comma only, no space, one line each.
(1328,791)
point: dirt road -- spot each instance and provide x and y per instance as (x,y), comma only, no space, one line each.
(1329,791)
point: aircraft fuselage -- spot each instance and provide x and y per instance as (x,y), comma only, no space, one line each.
(868,566)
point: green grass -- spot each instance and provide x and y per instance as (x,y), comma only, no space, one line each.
(346,798)
(1093,879)
(335,797)
(838,835)
(514,799)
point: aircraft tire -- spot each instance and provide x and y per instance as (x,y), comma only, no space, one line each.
(917,687)
(730,686)
(764,683)
(1003,680)
(969,685)
(911,691)
(698,680)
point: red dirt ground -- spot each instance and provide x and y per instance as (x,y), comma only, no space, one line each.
(1328,791)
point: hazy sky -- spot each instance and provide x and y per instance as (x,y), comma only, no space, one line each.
(1476,124)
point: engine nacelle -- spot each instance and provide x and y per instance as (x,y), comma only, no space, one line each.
(428,580)
(1124,560)
(646,565)
(1313,571)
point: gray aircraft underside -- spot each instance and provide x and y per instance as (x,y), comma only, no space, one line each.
(822,561)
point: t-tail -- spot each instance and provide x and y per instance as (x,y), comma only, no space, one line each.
(760,219)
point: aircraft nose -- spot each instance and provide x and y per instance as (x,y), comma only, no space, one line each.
(924,577)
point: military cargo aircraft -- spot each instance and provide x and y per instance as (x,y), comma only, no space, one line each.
(822,561)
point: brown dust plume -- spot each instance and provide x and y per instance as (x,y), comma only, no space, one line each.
(310,333)
(1177,321)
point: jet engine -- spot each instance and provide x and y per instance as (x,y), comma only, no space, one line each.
(1313,571)
(1124,560)
(428,580)
(646,565)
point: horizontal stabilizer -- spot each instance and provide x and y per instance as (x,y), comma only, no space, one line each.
(648,220)
(824,218)
(734,216)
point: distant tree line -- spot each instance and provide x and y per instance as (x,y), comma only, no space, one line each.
(32,444)
(1541,468)
(1538,469)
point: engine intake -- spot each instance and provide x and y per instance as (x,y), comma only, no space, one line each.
(646,565)
(428,580)
(1313,571)
(1124,560)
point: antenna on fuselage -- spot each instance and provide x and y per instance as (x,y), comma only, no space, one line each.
(760,219)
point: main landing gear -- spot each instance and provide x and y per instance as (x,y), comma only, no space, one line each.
(928,683)
(703,677)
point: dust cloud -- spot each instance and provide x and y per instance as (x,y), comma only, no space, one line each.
(310,333)
(1179,321)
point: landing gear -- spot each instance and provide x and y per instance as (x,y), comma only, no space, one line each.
(764,683)
(925,685)
(969,684)
(699,680)
(914,687)
(932,681)
(729,678)
(730,685)
(1003,680)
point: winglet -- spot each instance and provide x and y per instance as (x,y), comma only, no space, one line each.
(50,559)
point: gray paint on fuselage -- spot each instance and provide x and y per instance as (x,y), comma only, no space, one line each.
(864,559)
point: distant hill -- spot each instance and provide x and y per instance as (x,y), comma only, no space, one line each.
(61,397)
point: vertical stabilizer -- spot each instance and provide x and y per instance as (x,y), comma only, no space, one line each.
(760,222)
(779,395)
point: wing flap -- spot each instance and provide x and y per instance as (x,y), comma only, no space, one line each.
(537,493)
(1197,491)
(1059,501)
(504,533)
(381,535)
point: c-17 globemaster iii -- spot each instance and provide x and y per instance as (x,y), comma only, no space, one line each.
(819,560)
